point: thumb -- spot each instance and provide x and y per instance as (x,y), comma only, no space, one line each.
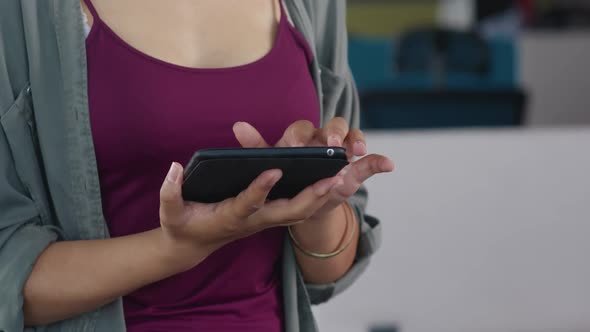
(171,202)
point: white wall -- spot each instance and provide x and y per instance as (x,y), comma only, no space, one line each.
(458,14)
(555,69)
(483,231)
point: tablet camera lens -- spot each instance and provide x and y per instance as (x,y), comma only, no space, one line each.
(330,152)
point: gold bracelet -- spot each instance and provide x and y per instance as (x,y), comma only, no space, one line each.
(350,222)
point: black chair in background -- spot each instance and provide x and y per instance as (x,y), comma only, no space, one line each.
(440,51)
(441,81)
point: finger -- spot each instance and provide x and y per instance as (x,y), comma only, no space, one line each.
(368,166)
(335,131)
(298,134)
(301,207)
(359,171)
(355,144)
(248,136)
(171,202)
(252,198)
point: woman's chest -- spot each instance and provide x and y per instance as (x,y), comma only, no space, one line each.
(160,117)
(146,110)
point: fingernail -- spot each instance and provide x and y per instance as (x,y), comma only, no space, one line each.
(387,165)
(173,173)
(334,140)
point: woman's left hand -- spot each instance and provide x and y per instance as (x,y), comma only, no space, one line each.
(334,133)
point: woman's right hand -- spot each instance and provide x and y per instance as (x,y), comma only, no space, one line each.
(191,228)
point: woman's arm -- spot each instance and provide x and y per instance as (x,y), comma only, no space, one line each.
(330,227)
(325,236)
(73,277)
(70,278)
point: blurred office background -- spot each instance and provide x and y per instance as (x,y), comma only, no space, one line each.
(485,108)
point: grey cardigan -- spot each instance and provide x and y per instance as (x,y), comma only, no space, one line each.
(49,188)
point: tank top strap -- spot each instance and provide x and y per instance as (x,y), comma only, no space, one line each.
(284,19)
(92,10)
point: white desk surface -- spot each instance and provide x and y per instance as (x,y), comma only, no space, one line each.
(483,231)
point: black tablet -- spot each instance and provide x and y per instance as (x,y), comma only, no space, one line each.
(213,175)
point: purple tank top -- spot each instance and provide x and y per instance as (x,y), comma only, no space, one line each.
(146,113)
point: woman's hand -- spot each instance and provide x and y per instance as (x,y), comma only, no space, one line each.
(334,133)
(190,228)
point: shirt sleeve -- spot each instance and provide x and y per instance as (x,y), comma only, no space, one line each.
(22,235)
(340,98)
(369,242)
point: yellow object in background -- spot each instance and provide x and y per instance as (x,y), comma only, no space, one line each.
(387,18)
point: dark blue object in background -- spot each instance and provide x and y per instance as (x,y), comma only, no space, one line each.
(434,77)
(385,328)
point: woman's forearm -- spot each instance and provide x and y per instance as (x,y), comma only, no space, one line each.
(73,277)
(324,236)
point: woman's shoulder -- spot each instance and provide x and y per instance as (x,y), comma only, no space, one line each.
(12,50)
(19,17)
(327,17)
(15,14)
(320,11)
(22,23)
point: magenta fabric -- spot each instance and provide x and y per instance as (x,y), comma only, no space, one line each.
(146,113)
